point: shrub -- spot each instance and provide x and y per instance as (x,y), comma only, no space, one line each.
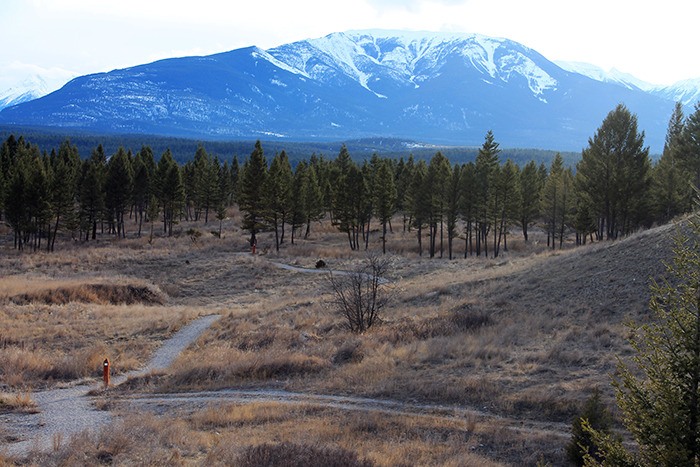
(349,352)
(581,442)
(298,455)
(360,296)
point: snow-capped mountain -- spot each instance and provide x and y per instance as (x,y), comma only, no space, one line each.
(438,88)
(21,83)
(687,92)
(27,90)
(611,76)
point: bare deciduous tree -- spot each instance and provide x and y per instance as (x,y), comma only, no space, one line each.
(360,295)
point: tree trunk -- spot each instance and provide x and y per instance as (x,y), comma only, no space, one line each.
(384,237)
(420,241)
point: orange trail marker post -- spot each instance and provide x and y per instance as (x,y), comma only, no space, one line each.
(105,372)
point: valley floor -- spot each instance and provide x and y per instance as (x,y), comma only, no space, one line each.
(476,361)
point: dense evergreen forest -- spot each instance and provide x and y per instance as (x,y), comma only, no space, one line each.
(183,149)
(613,190)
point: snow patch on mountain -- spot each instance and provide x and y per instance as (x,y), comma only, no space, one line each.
(438,87)
(687,92)
(261,54)
(409,57)
(612,76)
(20,82)
(538,80)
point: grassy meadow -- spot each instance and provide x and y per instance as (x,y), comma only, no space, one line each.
(488,360)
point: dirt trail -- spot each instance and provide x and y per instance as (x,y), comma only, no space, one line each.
(65,412)
(161,403)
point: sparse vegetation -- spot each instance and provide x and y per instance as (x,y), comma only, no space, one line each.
(452,335)
(479,360)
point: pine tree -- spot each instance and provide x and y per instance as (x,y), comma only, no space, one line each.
(350,193)
(169,190)
(404,174)
(91,192)
(507,191)
(690,141)
(251,199)
(191,208)
(595,414)
(16,211)
(530,187)
(552,198)
(437,181)
(226,187)
(204,184)
(486,168)
(142,189)
(37,197)
(235,173)
(63,183)
(313,199)
(297,213)
(420,207)
(277,193)
(3,191)
(119,185)
(614,174)
(385,197)
(671,185)
(467,205)
(453,203)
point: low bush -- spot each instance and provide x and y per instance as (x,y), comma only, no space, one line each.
(298,455)
(349,352)
(102,294)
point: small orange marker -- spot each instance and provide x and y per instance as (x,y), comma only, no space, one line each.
(105,372)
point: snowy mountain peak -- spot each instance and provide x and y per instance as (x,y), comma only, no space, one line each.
(686,92)
(444,88)
(413,57)
(21,83)
(612,76)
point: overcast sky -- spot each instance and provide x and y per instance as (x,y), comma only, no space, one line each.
(653,40)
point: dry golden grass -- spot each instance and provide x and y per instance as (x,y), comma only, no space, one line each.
(44,344)
(220,434)
(526,336)
(17,402)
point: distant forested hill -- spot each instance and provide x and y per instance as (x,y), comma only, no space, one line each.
(183,149)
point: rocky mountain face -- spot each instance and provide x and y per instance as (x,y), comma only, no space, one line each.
(430,87)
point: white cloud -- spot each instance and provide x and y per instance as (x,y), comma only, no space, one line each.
(651,41)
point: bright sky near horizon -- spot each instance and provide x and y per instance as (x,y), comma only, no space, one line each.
(654,41)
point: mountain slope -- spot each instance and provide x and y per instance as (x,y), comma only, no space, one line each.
(687,92)
(22,83)
(439,88)
(598,74)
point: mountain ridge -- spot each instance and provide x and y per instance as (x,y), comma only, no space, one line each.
(435,87)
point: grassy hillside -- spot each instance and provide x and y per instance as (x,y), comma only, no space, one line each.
(486,360)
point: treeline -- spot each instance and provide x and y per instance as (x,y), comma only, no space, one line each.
(614,190)
(182,149)
(42,194)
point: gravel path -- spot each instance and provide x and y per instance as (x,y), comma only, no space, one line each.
(67,411)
